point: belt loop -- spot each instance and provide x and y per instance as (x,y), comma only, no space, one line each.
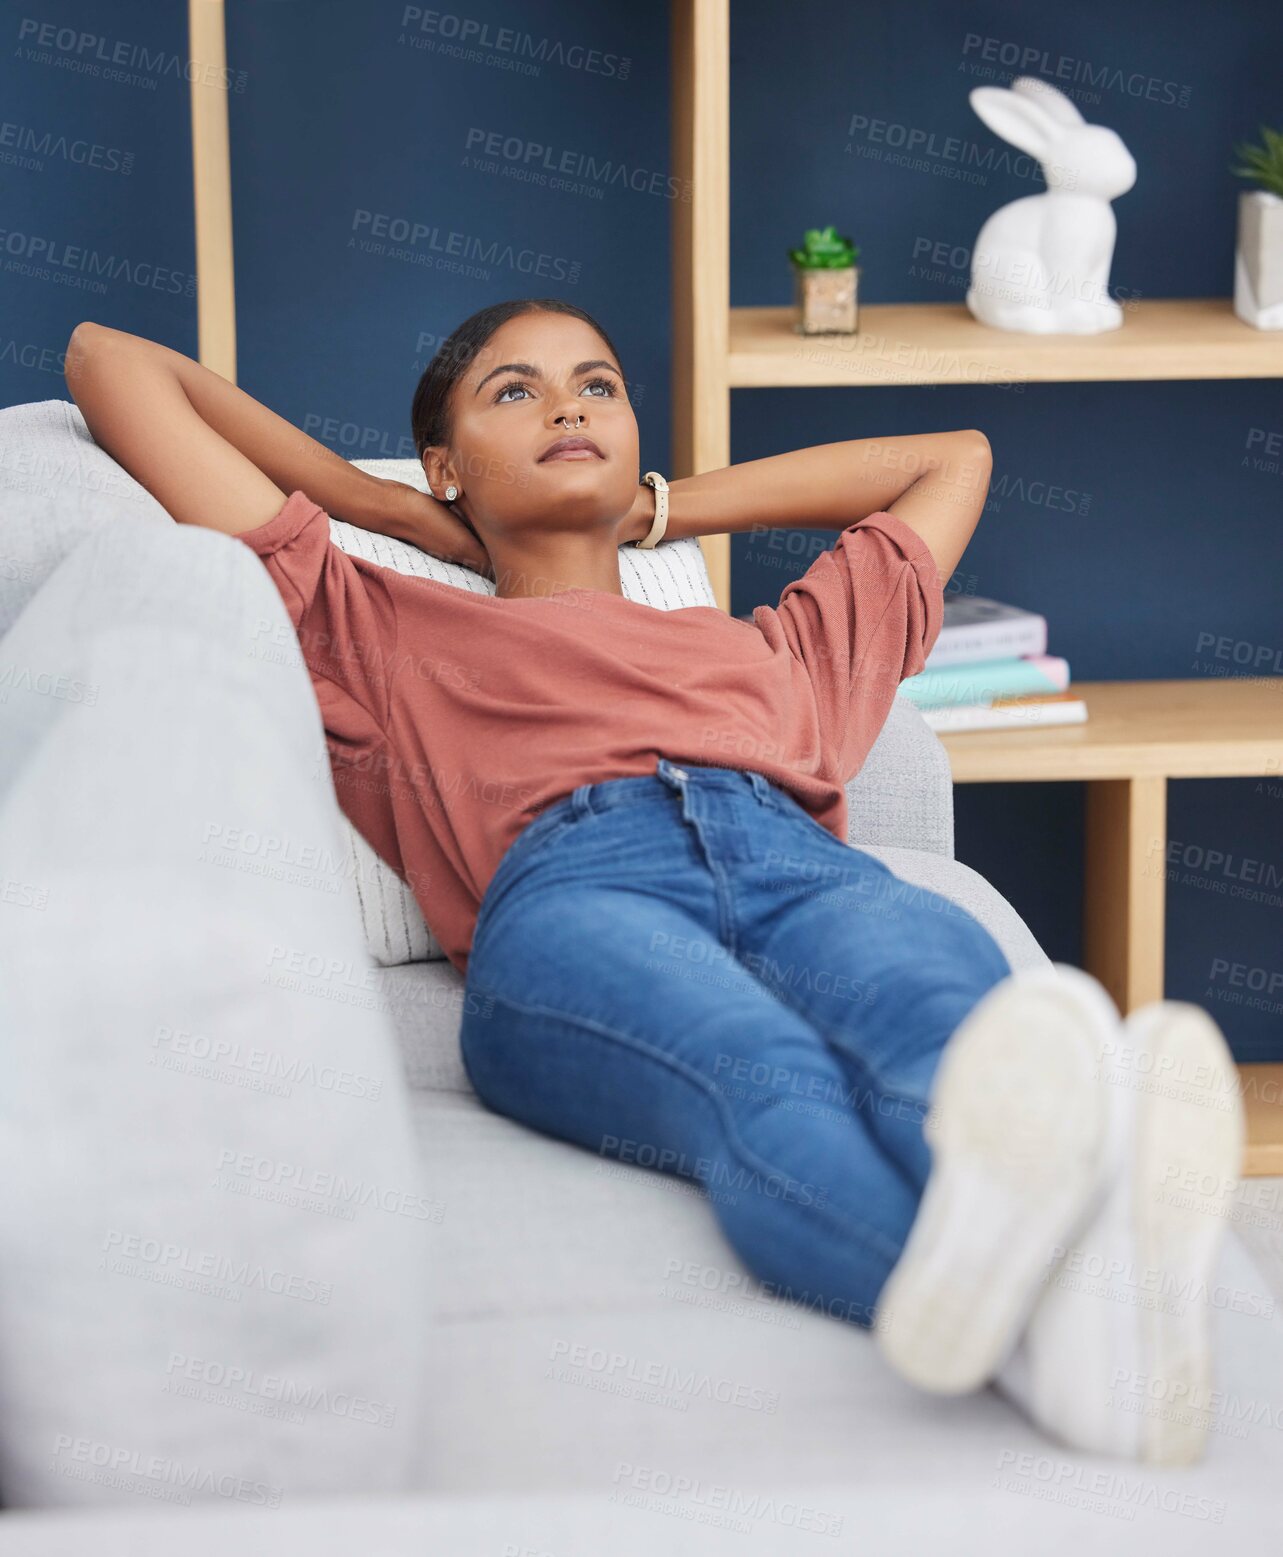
(580,801)
(671,774)
(761,787)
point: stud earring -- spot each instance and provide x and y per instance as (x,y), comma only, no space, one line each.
(451,493)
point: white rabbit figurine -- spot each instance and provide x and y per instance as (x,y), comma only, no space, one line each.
(1041,263)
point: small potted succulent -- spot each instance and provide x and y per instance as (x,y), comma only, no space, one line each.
(826,283)
(1258,257)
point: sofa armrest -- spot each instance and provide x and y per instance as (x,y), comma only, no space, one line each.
(57,487)
(902,797)
(177,1011)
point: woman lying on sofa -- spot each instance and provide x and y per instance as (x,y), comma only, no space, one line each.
(651,968)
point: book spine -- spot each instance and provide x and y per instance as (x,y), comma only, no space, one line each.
(986,680)
(1014,715)
(996,641)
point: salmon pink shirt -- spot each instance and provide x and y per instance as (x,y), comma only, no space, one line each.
(454,717)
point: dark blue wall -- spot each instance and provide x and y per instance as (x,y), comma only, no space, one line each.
(357,123)
(95,182)
(1133,515)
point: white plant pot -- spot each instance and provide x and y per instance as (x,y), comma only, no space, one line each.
(1258,260)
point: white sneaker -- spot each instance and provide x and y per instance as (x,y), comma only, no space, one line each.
(1116,1359)
(1017,1129)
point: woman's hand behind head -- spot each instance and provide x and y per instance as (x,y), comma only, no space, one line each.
(432,527)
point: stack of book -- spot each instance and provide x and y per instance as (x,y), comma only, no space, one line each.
(989,669)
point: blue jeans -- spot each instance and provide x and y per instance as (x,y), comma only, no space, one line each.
(687,972)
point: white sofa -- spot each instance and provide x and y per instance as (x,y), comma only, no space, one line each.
(563,1356)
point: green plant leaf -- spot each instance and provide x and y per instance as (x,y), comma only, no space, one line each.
(824,248)
(1263,164)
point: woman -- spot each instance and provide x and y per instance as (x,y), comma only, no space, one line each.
(627,828)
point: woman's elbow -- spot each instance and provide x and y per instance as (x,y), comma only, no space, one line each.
(975,466)
(977,447)
(90,349)
(84,343)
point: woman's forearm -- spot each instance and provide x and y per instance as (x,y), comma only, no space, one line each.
(286,455)
(825,487)
(937,481)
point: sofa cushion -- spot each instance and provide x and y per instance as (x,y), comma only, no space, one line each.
(902,797)
(618,1383)
(58,488)
(213,1258)
(596,1317)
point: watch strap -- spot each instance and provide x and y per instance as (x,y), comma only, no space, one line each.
(652,478)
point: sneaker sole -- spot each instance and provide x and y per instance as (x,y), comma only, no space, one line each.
(1017,1129)
(1189,1155)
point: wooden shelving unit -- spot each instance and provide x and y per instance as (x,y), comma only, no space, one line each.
(212,191)
(941,343)
(717,348)
(1225,728)
(1139,734)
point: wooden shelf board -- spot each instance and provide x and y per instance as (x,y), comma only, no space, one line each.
(1262,1087)
(941,343)
(1209,728)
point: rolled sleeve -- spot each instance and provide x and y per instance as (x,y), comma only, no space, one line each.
(344,620)
(864,616)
